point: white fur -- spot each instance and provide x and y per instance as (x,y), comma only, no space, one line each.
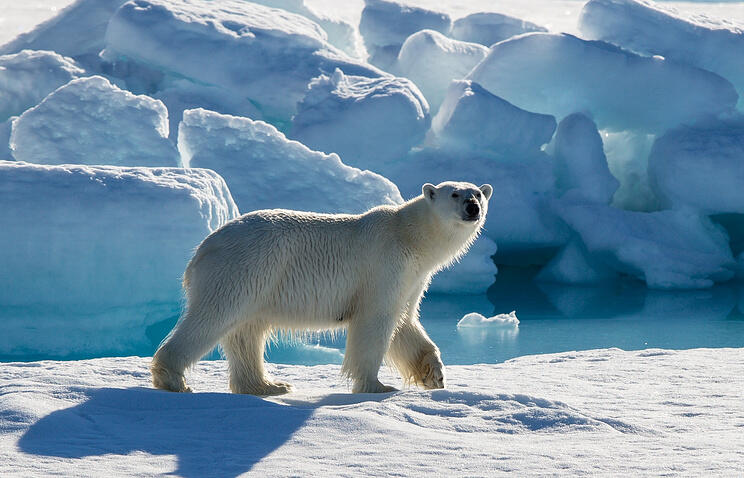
(287,270)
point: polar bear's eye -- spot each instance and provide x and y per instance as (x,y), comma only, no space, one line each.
(478,195)
(455,195)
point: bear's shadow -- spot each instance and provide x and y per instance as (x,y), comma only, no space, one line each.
(211,434)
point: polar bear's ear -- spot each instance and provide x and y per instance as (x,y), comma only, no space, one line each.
(487,190)
(429,191)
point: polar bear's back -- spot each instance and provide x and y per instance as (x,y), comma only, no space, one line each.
(295,263)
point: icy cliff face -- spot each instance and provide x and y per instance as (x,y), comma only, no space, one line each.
(266,170)
(91,121)
(561,74)
(94,250)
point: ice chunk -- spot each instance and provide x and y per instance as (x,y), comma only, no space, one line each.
(579,160)
(92,255)
(27,77)
(701,166)
(673,249)
(560,74)
(386,24)
(76,31)
(473,274)
(91,121)
(488,28)
(474,319)
(627,156)
(473,120)
(341,34)
(266,170)
(264,54)
(574,265)
(365,120)
(432,60)
(651,29)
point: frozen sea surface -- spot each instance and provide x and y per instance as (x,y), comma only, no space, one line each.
(602,412)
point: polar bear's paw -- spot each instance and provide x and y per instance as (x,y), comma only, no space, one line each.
(165,379)
(432,371)
(264,389)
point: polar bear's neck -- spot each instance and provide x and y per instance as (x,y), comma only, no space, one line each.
(434,243)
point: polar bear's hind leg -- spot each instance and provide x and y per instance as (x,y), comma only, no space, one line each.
(244,349)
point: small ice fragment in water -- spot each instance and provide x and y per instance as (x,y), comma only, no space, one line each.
(475,319)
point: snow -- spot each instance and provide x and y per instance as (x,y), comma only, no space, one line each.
(653,29)
(365,120)
(91,121)
(560,74)
(601,412)
(474,319)
(386,24)
(92,255)
(671,249)
(279,52)
(488,28)
(579,160)
(28,76)
(86,18)
(432,61)
(265,170)
(502,129)
(700,166)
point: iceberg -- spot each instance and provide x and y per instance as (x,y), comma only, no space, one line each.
(366,121)
(91,121)
(649,28)
(579,160)
(265,170)
(700,166)
(431,60)
(560,74)
(77,31)
(254,52)
(93,255)
(27,77)
(672,249)
(386,24)
(473,121)
(488,28)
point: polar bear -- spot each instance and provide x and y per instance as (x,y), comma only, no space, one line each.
(288,270)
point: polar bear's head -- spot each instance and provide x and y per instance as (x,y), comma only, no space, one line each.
(459,203)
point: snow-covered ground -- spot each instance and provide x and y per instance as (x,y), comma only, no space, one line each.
(602,412)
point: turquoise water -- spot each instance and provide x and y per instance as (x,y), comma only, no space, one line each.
(558,318)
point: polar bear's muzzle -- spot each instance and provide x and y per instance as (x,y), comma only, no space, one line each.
(472,210)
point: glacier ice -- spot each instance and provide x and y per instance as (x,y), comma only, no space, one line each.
(579,160)
(93,255)
(431,60)
(651,29)
(76,31)
(700,166)
(488,28)
(560,74)
(91,121)
(386,24)
(364,120)
(671,249)
(28,76)
(278,52)
(473,121)
(265,170)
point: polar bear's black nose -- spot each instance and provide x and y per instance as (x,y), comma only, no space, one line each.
(472,209)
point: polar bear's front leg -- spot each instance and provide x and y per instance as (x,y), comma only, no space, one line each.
(415,356)
(367,340)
